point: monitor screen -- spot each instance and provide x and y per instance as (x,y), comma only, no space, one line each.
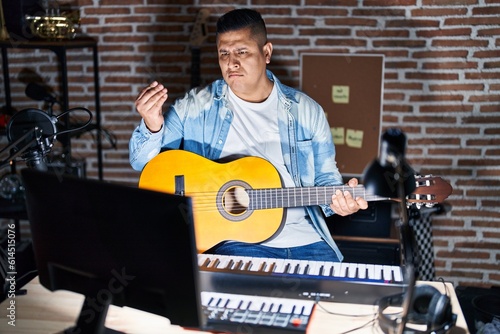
(114,244)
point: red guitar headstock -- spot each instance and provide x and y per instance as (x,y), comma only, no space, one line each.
(429,191)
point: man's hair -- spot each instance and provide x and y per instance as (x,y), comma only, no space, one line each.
(243,18)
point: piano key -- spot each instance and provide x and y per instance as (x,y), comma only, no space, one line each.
(280,266)
(370,271)
(378,272)
(338,270)
(222,263)
(304,265)
(204,262)
(328,269)
(362,271)
(398,275)
(218,302)
(307,310)
(286,308)
(275,307)
(271,267)
(388,273)
(351,270)
(244,304)
(313,268)
(290,266)
(255,305)
(233,303)
(257,263)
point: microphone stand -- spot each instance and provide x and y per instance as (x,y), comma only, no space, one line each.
(37,138)
(409,251)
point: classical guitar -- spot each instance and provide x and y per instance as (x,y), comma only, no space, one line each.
(198,36)
(244,199)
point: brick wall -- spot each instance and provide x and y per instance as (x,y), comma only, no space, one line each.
(442,87)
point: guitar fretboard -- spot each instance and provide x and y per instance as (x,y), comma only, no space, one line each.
(305,196)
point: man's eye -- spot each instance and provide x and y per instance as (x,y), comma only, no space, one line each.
(242,52)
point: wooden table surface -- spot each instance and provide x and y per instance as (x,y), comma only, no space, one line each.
(43,311)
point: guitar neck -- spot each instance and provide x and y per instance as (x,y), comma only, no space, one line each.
(195,66)
(303,196)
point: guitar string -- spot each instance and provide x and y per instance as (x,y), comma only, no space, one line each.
(264,196)
(261,198)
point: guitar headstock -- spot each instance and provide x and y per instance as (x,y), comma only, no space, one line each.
(200,32)
(429,191)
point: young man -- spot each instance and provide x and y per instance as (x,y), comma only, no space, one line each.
(250,113)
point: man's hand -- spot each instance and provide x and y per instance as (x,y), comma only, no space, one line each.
(344,204)
(149,105)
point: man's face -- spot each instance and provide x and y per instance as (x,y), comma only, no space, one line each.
(243,63)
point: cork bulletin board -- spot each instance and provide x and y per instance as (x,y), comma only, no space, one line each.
(349,88)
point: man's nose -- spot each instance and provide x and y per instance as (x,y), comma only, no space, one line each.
(232,61)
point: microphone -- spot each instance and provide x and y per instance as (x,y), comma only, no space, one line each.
(32,133)
(384,174)
(393,147)
(38,92)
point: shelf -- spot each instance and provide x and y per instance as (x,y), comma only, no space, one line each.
(60,47)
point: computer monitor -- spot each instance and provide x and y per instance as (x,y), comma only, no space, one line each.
(115,244)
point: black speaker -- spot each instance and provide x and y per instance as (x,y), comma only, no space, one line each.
(14,12)
(428,308)
(373,222)
(370,252)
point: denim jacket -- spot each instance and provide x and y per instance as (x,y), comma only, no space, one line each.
(199,122)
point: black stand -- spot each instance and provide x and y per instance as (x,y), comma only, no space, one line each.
(92,318)
(60,48)
(409,249)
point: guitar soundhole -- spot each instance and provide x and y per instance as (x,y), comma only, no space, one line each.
(236,201)
(233,201)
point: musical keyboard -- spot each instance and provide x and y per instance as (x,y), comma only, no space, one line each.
(255,314)
(318,280)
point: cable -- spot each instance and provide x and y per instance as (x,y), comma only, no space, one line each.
(370,322)
(440,279)
(359,327)
(81,127)
(342,314)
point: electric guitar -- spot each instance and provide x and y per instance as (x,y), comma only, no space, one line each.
(198,36)
(244,199)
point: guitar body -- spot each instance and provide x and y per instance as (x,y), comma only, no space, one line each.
(213,188)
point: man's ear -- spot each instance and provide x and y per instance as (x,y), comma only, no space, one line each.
(268,51)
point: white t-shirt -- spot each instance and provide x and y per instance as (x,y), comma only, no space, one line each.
(254,132)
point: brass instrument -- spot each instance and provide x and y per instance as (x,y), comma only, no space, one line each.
(64,26)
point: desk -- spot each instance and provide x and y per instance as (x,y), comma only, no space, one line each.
(42,311)
(60,48)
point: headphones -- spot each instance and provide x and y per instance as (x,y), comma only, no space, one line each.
(427,307)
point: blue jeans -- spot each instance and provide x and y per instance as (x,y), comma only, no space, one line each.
(319,251)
